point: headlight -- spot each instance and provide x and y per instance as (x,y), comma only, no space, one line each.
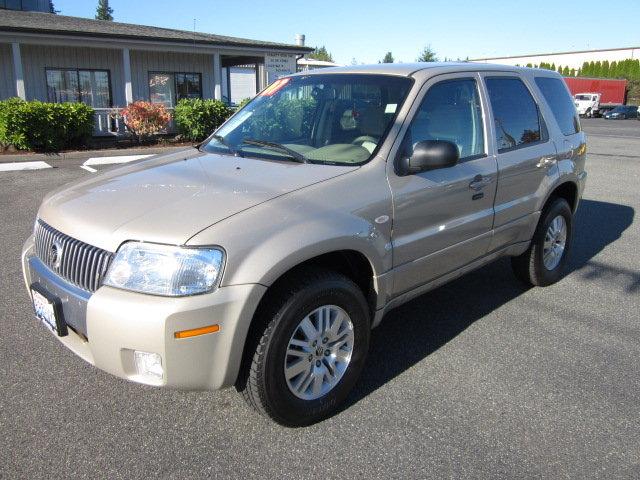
(164,269)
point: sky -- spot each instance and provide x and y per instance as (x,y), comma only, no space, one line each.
(364,30)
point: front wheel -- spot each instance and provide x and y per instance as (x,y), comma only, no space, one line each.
(544,261)
(311,350)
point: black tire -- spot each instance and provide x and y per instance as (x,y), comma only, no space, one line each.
(529,267)
(262,381)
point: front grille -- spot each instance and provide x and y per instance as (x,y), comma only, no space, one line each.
(78,263)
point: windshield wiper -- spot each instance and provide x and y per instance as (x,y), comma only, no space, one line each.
(297,156)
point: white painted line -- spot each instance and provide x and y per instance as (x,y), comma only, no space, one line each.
(9,167)
(113,160)
(88,169)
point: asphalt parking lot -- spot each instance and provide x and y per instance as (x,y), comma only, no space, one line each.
(480,378)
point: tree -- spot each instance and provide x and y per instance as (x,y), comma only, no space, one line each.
(388,58)
(104,11)
(52,8)
(427,55)
(321,53)
(354,61)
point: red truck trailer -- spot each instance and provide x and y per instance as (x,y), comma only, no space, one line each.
(597,95)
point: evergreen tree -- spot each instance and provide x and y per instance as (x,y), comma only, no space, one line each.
(321,54)
(52,8)
(606,69)
(613,69)
(104,11)
(427,55)
(573,72)
(388,58)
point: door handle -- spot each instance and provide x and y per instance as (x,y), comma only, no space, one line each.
(545,162)
(479,182)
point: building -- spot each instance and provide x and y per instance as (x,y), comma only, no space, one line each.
(26,5)
(305,64)
(567,59)
(107,65)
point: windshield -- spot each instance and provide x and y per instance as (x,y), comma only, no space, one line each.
(337,119)
(584,97)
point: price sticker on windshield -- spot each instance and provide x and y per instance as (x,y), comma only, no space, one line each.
(275,87)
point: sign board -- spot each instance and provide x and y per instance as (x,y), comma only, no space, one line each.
(278,65)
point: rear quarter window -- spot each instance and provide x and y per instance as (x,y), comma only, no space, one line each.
(556,95)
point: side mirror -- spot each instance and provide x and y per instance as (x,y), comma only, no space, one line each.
(429,155)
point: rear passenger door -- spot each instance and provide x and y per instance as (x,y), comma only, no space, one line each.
(525,155)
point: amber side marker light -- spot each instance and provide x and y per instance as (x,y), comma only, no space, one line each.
(194,332)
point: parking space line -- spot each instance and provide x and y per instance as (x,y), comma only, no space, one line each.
(88,169)
(13,166)
(113,160)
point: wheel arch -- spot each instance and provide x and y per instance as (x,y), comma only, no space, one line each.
(354,264)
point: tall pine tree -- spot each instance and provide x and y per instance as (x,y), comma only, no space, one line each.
(104,11)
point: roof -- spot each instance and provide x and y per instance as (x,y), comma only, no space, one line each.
(408,69)
(319,63)
(48,23)
(555,53)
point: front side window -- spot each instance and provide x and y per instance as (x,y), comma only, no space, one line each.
(450,111)
(169,88)
(515,113)
(87,86)
(555,93)
(335,119)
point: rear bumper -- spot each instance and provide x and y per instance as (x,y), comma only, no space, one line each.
(110,324)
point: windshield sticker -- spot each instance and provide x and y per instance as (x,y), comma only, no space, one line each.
(391,108)
(275,87)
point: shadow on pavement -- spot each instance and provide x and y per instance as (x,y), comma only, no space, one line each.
(411,332)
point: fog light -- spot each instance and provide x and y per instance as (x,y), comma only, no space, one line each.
(148,364)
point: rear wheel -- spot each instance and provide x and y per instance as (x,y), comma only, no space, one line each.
(310,352)
(544,261)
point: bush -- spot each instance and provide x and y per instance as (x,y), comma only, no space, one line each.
(196,118)
(243,102)
(145,119)
(44,126)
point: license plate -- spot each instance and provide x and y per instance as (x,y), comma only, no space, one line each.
(48,310)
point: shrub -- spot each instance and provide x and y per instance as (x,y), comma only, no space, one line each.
(145,119)
(38,125)
(196,118)
(243,102)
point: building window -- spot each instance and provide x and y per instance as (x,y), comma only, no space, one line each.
(170,88)
(92,87)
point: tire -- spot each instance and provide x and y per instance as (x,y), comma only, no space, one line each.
(530,267)
(263,382)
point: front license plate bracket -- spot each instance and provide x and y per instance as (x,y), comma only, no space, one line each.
(43,312)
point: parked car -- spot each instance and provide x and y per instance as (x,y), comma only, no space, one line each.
(263,258)
(622,112)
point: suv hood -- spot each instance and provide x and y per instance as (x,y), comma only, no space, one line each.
(170,198)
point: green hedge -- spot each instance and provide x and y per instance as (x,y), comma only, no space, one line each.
(44,126)
(196,118)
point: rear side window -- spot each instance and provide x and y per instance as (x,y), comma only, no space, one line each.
(515,113)
(560,102)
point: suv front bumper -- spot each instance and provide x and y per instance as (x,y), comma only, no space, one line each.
(108,326)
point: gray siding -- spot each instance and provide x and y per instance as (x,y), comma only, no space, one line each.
(7,85)
(36,58)
(143,62)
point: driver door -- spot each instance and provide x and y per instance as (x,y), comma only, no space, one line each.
(443,218)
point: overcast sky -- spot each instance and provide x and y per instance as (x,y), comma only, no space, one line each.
(366,29)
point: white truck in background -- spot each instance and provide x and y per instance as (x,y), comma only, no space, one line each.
(587,104)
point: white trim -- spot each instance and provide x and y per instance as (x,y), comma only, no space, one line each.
(217,76)
(17,70)
(126,70)
(113,160)
(9,167)
(88,169)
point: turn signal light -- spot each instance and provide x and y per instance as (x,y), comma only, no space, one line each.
(194,332)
